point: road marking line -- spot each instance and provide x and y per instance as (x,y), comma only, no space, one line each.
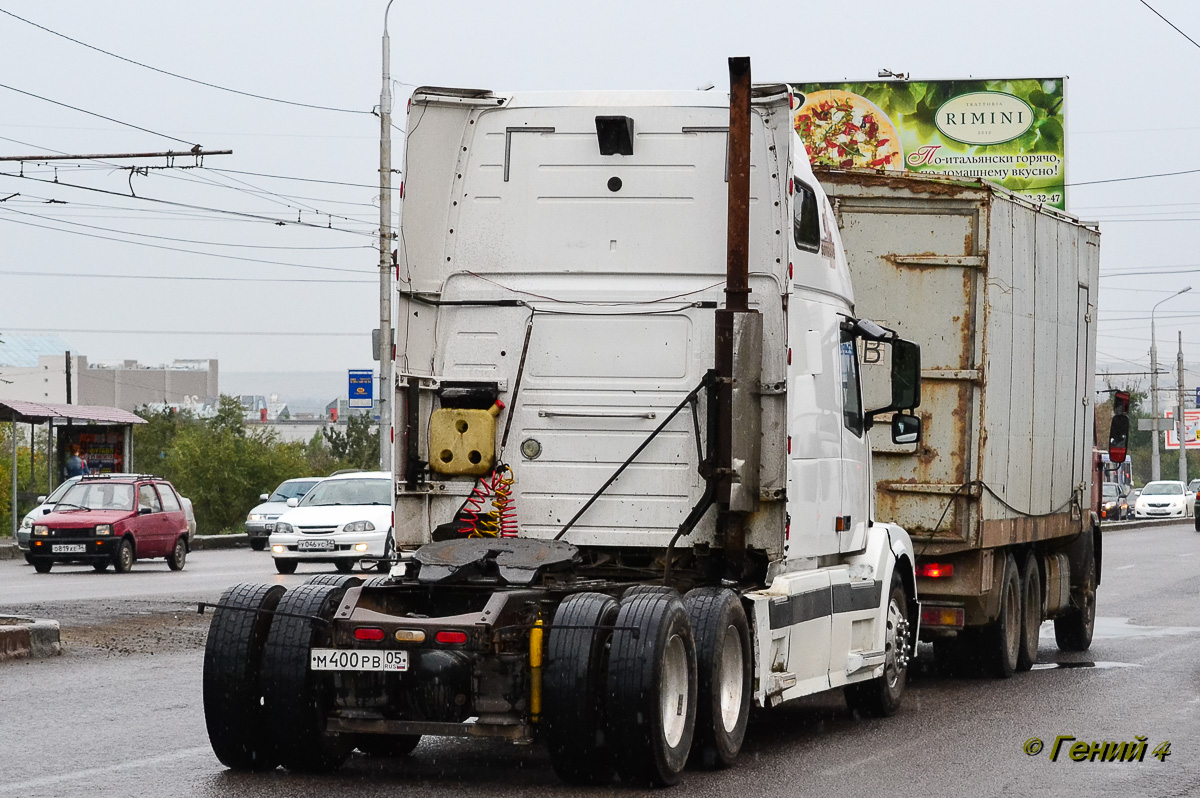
(1126,567)
(90,772)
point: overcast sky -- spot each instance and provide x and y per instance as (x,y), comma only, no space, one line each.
(1131,110)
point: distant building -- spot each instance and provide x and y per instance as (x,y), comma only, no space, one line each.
(34,368)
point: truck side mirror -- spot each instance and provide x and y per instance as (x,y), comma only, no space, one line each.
(1118,439)
(906,428)
(262,497)
(906,374)
(292,502)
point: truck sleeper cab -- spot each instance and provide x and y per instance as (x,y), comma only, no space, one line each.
(559,427)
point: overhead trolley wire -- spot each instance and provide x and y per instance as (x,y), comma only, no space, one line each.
(1169,22)
(173,238)
(188,251)
(101,116)
(241,214)
(185,77)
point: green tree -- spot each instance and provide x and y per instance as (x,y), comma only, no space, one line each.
(358,446)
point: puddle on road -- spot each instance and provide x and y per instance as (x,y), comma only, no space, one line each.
(1050,666)
(1112,628)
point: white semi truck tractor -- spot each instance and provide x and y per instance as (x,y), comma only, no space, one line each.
(633,487)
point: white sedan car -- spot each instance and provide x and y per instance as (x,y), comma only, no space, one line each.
(342,520)
(1163,499)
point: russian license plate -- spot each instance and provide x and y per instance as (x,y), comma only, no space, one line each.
(68,548)
(348,659)
(315,545)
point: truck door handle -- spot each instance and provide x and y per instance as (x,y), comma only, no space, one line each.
(597,414)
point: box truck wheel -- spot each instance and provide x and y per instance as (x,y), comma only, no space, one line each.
(232,685)
(573,688)
(1073,629)
(1002,637)
(881,696)
(651,690)
(296,698)
(723,668)
(1031,612)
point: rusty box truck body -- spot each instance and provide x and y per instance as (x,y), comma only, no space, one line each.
(1001,294)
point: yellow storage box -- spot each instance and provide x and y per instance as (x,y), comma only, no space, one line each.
(463,442)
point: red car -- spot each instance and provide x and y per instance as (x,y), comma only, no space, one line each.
(112,519)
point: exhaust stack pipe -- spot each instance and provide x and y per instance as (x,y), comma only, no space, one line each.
(738,343)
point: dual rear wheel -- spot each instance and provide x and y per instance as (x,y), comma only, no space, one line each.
(638,686)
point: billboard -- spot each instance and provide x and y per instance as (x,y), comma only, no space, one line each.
(1191,430)
(1009,132)
(361,388)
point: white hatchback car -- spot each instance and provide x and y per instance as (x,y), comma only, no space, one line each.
(1163,499)
(341,520)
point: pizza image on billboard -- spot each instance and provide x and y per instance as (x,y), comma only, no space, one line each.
(843,129)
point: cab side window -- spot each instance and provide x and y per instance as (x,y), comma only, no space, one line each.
(852,412)
(170,503)
(148,498)
(806,224)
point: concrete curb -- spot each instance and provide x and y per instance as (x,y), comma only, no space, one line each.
(1129,526)
(240,541)
(28,637)
(9,550)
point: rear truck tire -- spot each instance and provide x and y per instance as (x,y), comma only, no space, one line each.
(1073,629)
(337,580)
(1002,637)
(648,590)
(100,567)
(573,683)
(232,683)
(388,745)
(650,696)
(42,566)
(881,696)
(285,566)
(1031,612)
(124,559)
(258,544)
(344,566)
(296,698)
(178,555)
(723,670)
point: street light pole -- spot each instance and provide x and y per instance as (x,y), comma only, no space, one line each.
(386,388)
(1180,419)
(1155,470)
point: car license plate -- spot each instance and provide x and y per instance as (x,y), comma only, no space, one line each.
(68,548)
(348,659)
(315,545)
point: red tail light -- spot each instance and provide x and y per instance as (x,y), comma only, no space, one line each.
(936,570)
(368,633)
(447,636)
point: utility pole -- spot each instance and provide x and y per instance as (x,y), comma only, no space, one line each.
(1155,466)
(386,388)
(1181,422)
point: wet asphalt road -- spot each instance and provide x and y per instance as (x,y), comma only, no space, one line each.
(120,713)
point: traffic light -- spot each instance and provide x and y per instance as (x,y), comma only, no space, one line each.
(1120,403)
